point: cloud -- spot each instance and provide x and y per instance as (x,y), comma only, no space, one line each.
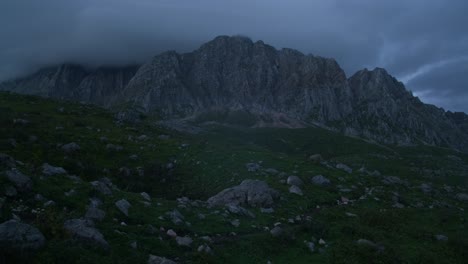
(413,40)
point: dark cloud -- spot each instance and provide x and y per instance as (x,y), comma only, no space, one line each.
(422,42)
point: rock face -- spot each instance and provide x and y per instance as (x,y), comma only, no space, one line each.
(236,80)
(17,236)
(254,193)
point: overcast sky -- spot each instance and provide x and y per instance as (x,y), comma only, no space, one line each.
(424,43)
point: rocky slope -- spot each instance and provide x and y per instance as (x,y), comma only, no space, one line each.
(232,79)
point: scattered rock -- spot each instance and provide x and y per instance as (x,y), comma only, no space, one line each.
(159,260)
(176,217)
(123,206)
(20,237)
(425,188)
(462,197)
(267,210)
(276,231)
(185,241)
(316,158)
(296,190)
(253,167)
(271,171)
(50,170)
(205,249)
(368,243)
(294,180)
(235,222)
(171,233)
(7,161)
(344,167)
(10,191)
(441,238)
(320,180)
(101,187)
(254,193)
(311,246)
(95,213)
(84,230)
(163,137)
(390,180)
(239,210)
(22,182)
(145,196)
(114,148)
(71,148)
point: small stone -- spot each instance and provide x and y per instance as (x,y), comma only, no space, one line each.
(71,148)
(322,242)
(267,210)
(159,260)
(50,170)
(146,196)
(95,214)
(294,180)
(123,206)
(344,167)
(84,230)
(185,241)
(441,238)
(276,231)
(296,190)
(235,222)
(171,233)
(320,180)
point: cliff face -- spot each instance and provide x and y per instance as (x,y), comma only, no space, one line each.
(272,87)
(74,82)
(237,74)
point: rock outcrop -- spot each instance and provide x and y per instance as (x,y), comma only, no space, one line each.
(235,80)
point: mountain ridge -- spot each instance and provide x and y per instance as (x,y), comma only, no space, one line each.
(234,78)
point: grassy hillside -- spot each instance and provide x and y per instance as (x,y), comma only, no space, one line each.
(400,218)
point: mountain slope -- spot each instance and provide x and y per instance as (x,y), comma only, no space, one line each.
(234,79)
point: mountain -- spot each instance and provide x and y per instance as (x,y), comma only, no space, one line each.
(232,79)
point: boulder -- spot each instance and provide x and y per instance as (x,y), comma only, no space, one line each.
(425,188)
(176,217)
(101,187)
(254,193)
(84,231)
(185,241)
(276,231)
(159,260)
(462,197)
(21,237)
(146,196)
(94,213)
(296,190)
(294,180)
(22,182)
(50,170)
(344,168)
(316,158)
(71,148)
(123,206)
(253,167)
(239,210)
(7,161)
(320,180)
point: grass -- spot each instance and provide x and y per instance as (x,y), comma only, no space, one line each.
(206,163)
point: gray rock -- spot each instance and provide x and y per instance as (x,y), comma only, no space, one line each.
(159,260)
(239,210)
(7,161)
(22,182)
(94,213)
(316,158)
(50,170)
(267,210)
(296,190)
(254,193)
(344,167)
(391,180)
(425,188)
(235,223)
(311,246)
(271,171)
(320,180)
(176,217)
(185,241)
(253,167)
(101,187)
(441,238)
(462,197)
(276,231)
(368,243)
(17,236)
(294,180)
(123,206)
(71,148)
(114,148)
(84,230)
(146,196)
(10,191)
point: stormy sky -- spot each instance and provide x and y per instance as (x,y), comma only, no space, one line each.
(424,43)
